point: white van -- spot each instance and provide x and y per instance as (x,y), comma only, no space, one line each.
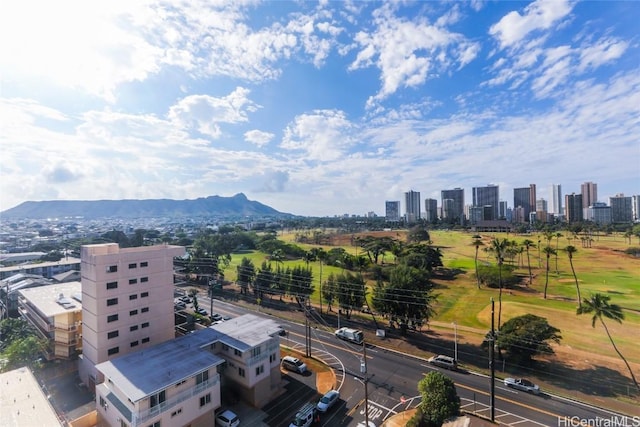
(305,416)
(348,334)
(444,362)
(294,364)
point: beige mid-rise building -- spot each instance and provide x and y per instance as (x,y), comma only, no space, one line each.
(127,302)
(55,312)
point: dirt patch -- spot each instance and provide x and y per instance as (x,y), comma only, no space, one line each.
(325,377)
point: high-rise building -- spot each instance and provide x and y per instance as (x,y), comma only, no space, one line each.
(525,197)
(430,210)
(452,202)
(573,207)
(503,210)
(127,302)
(621,208)
(487,197)
(635,207)
(541,210)
(392,211)
(412,206)
(589,191)
(555,200)
(599,213)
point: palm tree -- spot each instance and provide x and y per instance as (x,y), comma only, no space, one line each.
(527,245)
(558,236)
(477,243)
(193,293)
(548,250)
(570,251)
(599,306)
(498,246)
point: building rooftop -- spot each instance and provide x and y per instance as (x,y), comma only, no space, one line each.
(147,371)
(22,401)
(246,331)
(52,300)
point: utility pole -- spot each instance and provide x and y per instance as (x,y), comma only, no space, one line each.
(363,368)
(492,365)
(307,332)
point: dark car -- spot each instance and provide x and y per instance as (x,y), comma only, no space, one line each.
(201,311)
(215,317)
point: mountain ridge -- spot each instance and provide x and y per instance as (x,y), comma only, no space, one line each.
(211,206)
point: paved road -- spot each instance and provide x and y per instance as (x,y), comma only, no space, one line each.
(392,379)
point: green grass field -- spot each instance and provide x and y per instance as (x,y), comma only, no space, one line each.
(602,268)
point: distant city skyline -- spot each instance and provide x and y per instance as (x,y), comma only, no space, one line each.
(316,108)
(452,202)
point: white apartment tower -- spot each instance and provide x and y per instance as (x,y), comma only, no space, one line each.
(555,200)
(127,302)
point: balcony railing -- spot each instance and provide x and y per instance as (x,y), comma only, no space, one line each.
(146,415)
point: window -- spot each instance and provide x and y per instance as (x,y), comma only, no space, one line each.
(272,358)
(259,369)
(103,402)
(134,343)
(202,377)
(144,294)
(174,413)
(241,372)
(133,312)
(123,424)
(133,328)
(205,399)
(112,318)
(144,309)
(112,269)
(144,279)
(112,285)
(145,325)
(113,350)
(255,352)
(112,334)
(133,265)
(145,340)
(180,383)
(144,264)
(112,301)
(157,399)
(225,347)
(156,424)
(237,352)
(133,281)
(133,296)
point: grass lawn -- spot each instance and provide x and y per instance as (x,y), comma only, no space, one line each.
(602,268)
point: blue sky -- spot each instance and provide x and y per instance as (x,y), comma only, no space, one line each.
(316,108)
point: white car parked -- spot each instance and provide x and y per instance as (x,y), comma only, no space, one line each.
(227,419)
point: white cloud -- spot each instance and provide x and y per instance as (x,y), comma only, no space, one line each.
(407,52)
(205,113)
(539,15)
(76,44)
(603,51)
(323,135)
(258,138)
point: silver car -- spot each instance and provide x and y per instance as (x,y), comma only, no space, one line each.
(328,400)
(522,384)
